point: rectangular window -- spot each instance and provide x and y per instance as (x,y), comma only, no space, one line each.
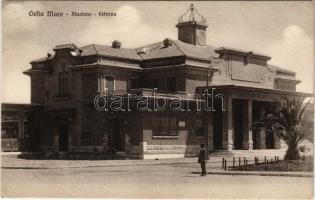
(89,85)
(133,83)
(63,84)
(171,83)
(199,127)
(108,82)
(165,126)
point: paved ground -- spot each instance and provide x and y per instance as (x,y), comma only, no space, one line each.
(180,180)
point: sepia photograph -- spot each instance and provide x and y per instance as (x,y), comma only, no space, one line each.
(157,99)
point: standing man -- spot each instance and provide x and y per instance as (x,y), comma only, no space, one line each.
(203,158)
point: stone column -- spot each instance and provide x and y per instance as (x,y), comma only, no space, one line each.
(21,126)
(261,138)
(227,142)
(247,124)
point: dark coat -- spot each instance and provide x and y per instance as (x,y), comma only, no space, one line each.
(203,155)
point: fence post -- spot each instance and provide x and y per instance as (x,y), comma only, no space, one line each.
(239,161)
(267,166)
(265,159)
(224,165)
(246,165)
(257,160)
(244,160)
(233,162)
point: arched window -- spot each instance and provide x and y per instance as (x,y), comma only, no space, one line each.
(63,87)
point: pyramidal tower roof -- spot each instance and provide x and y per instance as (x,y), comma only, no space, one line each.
(192,15)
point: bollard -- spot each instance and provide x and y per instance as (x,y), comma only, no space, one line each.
(224,165)
(239,161)
(233,162)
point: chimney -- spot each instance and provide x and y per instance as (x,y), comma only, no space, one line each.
(116,44)
(192,27)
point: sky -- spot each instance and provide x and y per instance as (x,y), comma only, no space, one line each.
(282,30)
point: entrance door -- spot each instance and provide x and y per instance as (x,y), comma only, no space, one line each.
(238,116)
(117,137)
(63,136)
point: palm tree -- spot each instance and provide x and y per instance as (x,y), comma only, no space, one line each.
(286,120)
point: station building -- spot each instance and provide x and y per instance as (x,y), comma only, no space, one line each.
(68,84)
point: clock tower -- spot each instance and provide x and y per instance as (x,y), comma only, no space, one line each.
(192,27)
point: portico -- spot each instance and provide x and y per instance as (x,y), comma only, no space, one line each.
(238,125)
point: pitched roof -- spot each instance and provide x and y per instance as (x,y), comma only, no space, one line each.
(175,48)
(280,69)
(154,51)
(103,50)
(43,59)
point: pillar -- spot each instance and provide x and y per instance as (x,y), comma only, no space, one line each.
(261,132)
(247,124)
(21,132)
(21,126)
(227,142)
(261,138)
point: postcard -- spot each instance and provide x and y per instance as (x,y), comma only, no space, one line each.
(157,99)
